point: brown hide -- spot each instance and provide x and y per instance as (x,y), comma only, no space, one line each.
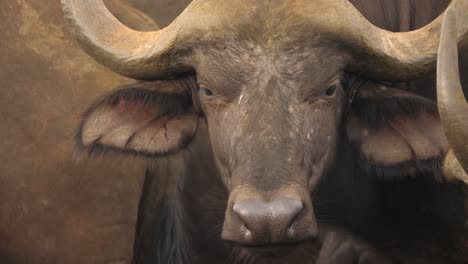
(405,15)
(54,208)
(395,15)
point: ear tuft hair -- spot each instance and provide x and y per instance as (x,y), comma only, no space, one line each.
(139,120)
(397,133)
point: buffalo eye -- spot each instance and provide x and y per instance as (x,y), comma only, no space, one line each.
(331,90)
(205,91)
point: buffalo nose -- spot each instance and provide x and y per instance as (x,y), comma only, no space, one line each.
(281,220)
(279,214)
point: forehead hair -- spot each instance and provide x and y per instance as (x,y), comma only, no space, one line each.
(232,64)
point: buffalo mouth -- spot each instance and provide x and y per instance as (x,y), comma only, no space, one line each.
(273,251)
(269,225)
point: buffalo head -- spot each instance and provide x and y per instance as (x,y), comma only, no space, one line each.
(270,80)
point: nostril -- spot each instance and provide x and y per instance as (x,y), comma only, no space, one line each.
(283,212)
(294,206)
(289,211)
(249,211)
(245,231)
(259,221)
(240,209)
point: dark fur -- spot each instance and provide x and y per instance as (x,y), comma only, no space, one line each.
(166,243)
(412,215)
(181,212)
(376,111)
(395,215)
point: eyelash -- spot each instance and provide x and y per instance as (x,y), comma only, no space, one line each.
(206,91)
(331,90)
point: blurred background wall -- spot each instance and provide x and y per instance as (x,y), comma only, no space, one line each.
(163,11)
(55,207)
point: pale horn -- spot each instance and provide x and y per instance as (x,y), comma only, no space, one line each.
(453,107)
(135,54)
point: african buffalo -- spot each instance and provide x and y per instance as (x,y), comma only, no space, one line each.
(280,115)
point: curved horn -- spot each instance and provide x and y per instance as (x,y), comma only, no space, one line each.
(379,53)
(452,168)
(451,100)
(138,55)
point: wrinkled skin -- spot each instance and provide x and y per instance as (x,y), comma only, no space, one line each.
(77,225)
(271,109)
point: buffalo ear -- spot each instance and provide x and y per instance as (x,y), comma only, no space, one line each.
(396,131)
(152,118)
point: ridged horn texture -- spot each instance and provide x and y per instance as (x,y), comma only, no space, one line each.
(138,55)
(452,168)
(377,53)
(453,107)
(394,56)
